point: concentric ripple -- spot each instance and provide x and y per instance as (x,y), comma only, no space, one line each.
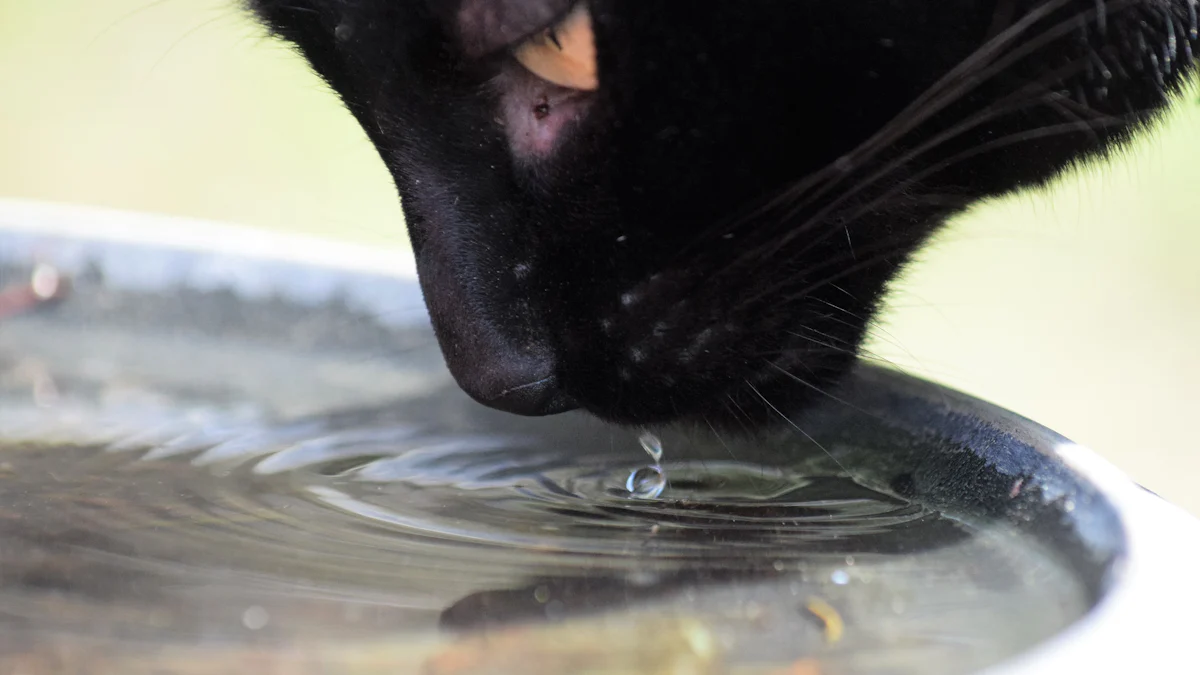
(176,523)
(492,492)
(250,472)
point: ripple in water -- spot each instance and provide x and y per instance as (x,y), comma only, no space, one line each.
(181,521)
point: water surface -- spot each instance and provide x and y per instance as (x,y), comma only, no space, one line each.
(176,503)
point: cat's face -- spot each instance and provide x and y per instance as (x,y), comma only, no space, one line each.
(692,209)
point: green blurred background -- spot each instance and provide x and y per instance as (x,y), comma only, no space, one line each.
(1078,307)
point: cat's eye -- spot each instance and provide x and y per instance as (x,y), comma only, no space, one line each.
(564,53)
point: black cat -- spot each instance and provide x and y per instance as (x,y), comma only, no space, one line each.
(662,210)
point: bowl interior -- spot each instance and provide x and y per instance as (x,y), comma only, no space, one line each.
(210,454)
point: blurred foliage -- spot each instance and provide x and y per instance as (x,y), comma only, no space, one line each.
(1078,306)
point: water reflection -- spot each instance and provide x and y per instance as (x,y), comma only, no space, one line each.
(185,503)
(216,526)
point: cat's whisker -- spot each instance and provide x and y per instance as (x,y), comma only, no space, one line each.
(1016,101)
(850,350)
(797,427)
(741,414)
(861,355)
(720,439)
(937,141)
(821,390)
(870,322)
(886,249)
(183,38)
(835,343)
(121,19)
(754,256)
(934,99)
(915,179)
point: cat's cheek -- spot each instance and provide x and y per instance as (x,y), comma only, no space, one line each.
(535,125)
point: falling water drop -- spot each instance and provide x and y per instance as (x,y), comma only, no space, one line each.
(648,482)
(651,445)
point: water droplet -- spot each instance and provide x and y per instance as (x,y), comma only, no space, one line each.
(752,611)
(840,577)
(255,617)
(647,482)
(45,282)
(541,594)
(643,578)
(651,445)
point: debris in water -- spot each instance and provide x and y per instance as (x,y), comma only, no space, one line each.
(805,666)
(830,618)
(45,285)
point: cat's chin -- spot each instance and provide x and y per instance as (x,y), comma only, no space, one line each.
(743,412)
(764,400)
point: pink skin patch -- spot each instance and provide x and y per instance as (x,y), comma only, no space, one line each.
(536,113)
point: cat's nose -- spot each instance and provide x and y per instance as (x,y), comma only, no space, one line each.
(497,349)
(523,391)
(502,373)
(511,373)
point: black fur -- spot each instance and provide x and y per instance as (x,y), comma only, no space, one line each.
(711,230)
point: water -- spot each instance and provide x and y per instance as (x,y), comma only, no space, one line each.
(168,502)
(652,445)
(648,482)
(230,533)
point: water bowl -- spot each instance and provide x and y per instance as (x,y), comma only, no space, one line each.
(224,451)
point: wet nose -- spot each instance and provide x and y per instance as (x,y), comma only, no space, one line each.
(496,360)
(512,373)
(497,348)
(509,375)
(521,389)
